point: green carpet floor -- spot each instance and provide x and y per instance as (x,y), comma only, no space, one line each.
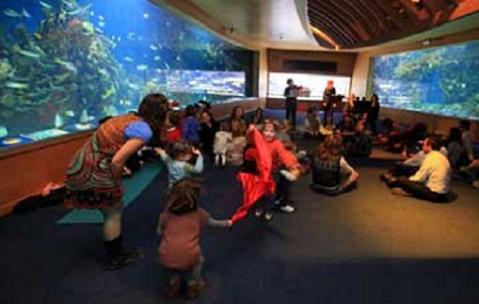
(133,187)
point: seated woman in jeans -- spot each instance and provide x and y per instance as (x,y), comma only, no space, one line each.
(332,175)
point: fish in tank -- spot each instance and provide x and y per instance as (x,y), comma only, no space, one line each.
(440,80)
(65,64)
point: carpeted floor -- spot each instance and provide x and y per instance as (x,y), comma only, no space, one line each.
(366,246)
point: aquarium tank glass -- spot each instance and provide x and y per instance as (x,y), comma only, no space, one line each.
(313,84)
(65,64)
(443,80)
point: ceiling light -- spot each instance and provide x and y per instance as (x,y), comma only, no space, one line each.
(325,37)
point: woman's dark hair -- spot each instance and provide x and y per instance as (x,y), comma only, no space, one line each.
(153,110)
(258,116)
(206,104)
(212,118)
(234,111)
(387,125)
(311,117)
(174,117)
(311,109)
(455,135)
(104,119)
(375,98)
(331,146)
(465,124)
(190,111)
(434,141)
(183,196)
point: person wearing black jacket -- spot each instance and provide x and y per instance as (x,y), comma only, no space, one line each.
(291,92)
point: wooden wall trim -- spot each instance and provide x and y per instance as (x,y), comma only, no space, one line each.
(345,61)
(435,123)
(27,169)
(11,151)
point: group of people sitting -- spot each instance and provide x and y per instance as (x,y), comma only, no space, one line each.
(458,148)
(268,161)
(425,173)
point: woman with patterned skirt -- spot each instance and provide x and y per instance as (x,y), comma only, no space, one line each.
(94,175)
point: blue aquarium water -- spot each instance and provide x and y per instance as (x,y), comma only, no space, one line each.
(443,81)
(66,63)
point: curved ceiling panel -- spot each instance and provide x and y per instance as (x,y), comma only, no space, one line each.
(347,24)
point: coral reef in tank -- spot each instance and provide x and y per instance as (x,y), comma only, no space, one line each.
(64,64)
(440,80)
(57,70)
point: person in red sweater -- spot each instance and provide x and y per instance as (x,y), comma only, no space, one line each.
(173,132)
(285,168)
(255,177)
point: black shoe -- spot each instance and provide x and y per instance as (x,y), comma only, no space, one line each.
(119,256)
(383,177)
(258,213)
(126,257)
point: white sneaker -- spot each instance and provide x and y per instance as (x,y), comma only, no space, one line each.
(287,209)
(268,215)
(286,174)
(258,213)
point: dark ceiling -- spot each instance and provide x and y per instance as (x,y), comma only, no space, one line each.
(347,24)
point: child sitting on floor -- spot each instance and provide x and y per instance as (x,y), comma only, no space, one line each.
(312,125)
(179,250)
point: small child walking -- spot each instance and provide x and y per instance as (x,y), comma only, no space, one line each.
(179,250)
(223,139)
(177,160)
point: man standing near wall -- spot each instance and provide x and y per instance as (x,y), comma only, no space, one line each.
(328,101)
(291,92)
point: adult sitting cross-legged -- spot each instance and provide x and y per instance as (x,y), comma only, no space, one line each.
(431,182)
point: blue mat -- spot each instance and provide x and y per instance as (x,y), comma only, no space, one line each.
(133,187)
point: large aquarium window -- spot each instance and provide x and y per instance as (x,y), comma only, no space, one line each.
(443,81)
(65,64)
(313,84)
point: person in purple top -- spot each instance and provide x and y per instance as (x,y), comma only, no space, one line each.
(191,126)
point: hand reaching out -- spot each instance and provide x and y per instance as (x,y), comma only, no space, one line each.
(159,150)
(196,151)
